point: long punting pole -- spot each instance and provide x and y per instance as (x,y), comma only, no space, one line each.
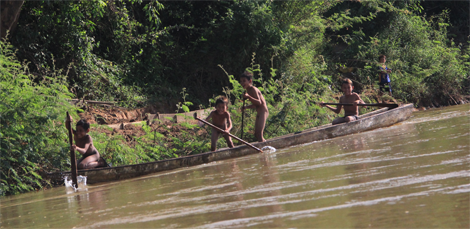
(73,159)
(243,116)
(391,105)
(231,135)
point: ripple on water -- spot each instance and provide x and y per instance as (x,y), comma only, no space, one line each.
(412,173)
(437,117)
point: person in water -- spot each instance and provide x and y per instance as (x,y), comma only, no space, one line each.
(84,145)
(350,112)
(384,75)
(220,118)
(258,102)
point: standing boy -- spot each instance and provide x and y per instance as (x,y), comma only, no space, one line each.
(256,98)
(351,113)
(384,77)
(220,118)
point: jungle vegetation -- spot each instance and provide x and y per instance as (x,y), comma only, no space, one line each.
(144,53)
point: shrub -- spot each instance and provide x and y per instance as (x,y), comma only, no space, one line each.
(428,69)
(32,110)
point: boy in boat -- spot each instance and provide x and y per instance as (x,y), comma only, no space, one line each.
(220,118)
(84,145)
(258,102)
(350,112)
(384,75)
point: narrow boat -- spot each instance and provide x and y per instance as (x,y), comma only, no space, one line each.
(377,119)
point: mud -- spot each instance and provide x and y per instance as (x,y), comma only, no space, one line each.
(105,115)
(115,115)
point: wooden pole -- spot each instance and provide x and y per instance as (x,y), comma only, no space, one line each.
(243,116)
(231,135)
(73,160)
(391,105)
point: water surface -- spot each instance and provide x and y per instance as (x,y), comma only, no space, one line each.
(413,174)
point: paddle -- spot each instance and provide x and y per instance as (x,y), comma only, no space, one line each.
(73,160)
(243,115)
(391,105)
(231,135)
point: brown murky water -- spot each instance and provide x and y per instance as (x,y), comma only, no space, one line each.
(413,174)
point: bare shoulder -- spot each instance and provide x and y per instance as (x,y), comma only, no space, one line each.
(342,98)
(251,89)
(89,138)
(357,95)
(211,114)
(256,90)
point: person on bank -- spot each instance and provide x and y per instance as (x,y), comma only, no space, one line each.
(384,75)
(258,102)
(351,113)
(84,145)
(220,118)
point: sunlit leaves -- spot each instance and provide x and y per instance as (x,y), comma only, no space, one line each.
(30,113)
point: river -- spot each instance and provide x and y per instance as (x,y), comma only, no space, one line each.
(413,174)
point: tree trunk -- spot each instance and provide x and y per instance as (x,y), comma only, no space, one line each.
(10,12)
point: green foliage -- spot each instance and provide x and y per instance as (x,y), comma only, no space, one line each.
(180,139)
(185,104)
(32,110)
(138,52)
(93,40)
(113,149)
(291,109)
(427,67)
(114,52)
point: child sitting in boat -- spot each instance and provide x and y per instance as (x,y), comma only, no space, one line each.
(220,118)
(351,113)
(84,145)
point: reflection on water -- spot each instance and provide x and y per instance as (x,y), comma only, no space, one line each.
(413,174)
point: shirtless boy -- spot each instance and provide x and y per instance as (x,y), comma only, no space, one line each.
(84,145)
(351,113)
(256,98)
(220,118)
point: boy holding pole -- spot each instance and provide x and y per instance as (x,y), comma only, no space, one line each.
(351,113)
(220,118)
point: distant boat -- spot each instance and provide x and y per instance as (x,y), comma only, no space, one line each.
(377,119)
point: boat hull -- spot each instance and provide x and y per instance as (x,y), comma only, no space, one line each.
(377,119)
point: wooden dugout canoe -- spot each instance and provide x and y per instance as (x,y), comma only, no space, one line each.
(377,119)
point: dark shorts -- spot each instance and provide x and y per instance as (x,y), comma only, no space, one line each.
(355,116)
(89,154)
(382,87)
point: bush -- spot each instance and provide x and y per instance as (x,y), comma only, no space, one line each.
(32,110)
(428,69)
